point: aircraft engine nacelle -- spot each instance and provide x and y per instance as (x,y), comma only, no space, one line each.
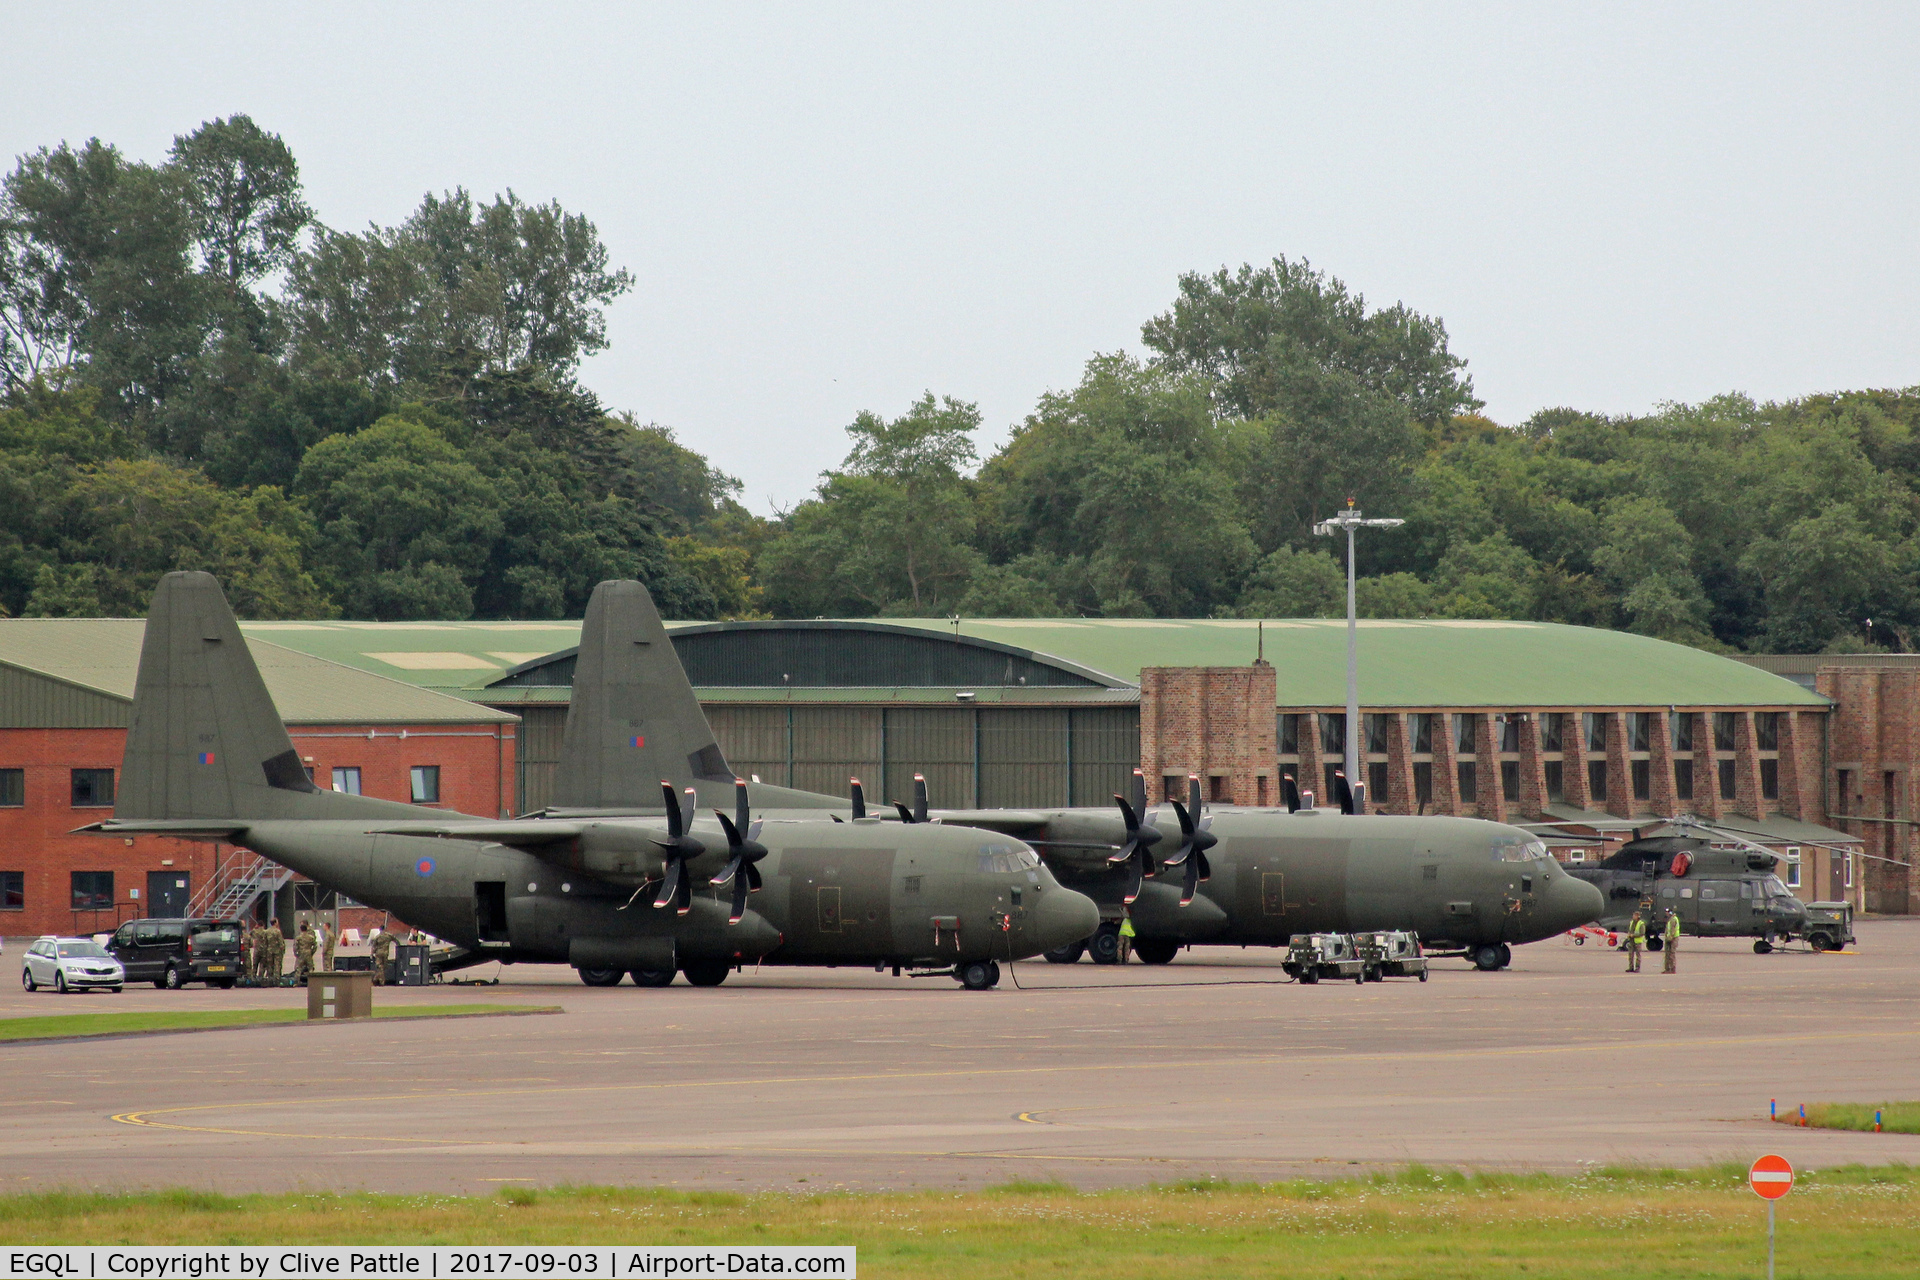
(1157,913)
(629,856)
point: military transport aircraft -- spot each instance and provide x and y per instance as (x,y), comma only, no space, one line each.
(208,757)
(1234,877)
(1718,893)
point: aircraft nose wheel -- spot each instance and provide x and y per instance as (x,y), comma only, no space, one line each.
(1489,958)
(978,975)
(1761,946)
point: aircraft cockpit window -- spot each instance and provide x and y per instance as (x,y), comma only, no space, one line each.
(1517,850)
(1775,889)
(1006,857)
(1746,888)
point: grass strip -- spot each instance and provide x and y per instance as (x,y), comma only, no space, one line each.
(1895,1117)
(64,1026)
(1437,1225)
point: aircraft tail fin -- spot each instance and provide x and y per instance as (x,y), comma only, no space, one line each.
(633,721)
(206,741)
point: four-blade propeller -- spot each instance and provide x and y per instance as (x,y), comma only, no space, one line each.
(680,849)
(744,848)
(1195,840)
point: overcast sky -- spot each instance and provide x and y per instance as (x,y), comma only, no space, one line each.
(832,207)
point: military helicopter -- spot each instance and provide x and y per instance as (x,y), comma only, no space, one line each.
(207,757)
(1186,876)
(1717,893)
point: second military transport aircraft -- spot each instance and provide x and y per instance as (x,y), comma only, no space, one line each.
(208,757)
(1234,877)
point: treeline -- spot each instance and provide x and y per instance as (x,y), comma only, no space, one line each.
(387,424)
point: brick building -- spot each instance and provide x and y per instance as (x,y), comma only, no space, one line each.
(66,691)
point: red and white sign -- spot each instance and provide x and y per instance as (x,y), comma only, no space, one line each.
(1771,1177)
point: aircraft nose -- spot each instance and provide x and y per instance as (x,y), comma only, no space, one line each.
(1571,903)
(1062,917)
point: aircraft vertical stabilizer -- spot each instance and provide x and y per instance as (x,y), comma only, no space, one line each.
(633,720)
(206,740)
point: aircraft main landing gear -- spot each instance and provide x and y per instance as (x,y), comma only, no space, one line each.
(601,977)
(1492,956)
(653,977)
(1156,950)
(978,975)
(1104,945)
(1069,954)
(706,973)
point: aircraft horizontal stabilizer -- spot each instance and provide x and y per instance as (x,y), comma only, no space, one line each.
(524,834)
(181,828)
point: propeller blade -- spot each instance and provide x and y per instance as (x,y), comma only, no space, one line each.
(740,890)
(1193,795)
(919,798)
(675,827)
(1291,790)
(686,811)
(1139,791)
(670,887)
(1343,792)
(859,798)
(1133,881)
(906,814)
(742,807)
(683,896)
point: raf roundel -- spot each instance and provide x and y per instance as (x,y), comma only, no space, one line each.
(423,868)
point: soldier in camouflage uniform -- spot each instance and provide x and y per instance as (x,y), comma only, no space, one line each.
(262,949)
(382,955)
(304,945)
(276,953)
(329,938)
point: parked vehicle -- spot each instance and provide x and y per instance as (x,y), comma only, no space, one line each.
(70,964)
(172,953)
(1390,953)
(1313,956)
(1829,925)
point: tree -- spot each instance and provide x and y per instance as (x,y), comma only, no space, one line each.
(1296,584)
(243,194)
(1824,575)
(405,521)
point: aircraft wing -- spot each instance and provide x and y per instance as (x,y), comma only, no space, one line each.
(1011,822)
(525,833)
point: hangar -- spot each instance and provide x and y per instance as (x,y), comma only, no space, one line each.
(1596,732)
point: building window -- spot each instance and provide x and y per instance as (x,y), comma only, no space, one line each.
(1469,782)
(93,891)
(1680,724)
(1288,731)
(1642,780)
(1333,733)
(1332,794)
(1420,729)
(1466,728)
(1723,730)
(93,788)
(1596,726)
(1423,782)
(1377,733)
(1556,782)
(1846,862)
(1376,784)
(1217,792)
(1172,787)
(13,891)
(1683,779)
(347,780)
(1793,867)
(1769,779)
(1597,781)
(1766,730)
(1510,730)
(1552,727)
(13,788)
(1510,780)
(1639,730)
(1727,788)
(426,783)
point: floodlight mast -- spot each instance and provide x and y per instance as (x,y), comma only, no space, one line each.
(1349,519)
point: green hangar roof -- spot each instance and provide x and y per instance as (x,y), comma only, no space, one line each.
(47,664)
(1402,663)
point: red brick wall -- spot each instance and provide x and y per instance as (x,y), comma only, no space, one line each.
(1217,722)
(1875,731)
(476,776)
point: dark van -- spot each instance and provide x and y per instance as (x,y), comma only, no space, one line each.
(172,953)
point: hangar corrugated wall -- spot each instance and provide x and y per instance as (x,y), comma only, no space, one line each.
(971,756)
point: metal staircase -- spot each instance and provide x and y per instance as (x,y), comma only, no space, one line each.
(233,894)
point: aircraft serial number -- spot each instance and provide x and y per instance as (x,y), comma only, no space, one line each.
(487,1264)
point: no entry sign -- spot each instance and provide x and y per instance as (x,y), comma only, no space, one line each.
(1771,1177)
